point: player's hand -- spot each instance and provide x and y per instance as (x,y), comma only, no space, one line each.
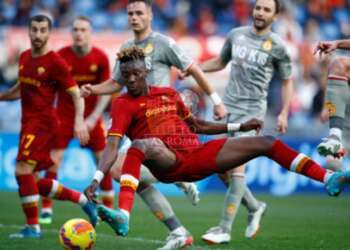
(90,191)
(252,124)
(81,132)
(90,122)
(86,90)
(282,123)
(325,47)
(219,111)
(182,74)
(324,116)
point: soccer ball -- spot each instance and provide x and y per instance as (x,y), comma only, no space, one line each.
(77,234)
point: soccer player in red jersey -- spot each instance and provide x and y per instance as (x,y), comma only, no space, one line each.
(87,64)
(41,73)
(162,130)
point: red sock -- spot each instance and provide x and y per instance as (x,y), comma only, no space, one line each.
(55,190)
(129,178)
(47,202)
(296,162)
(28,192)
(107,191)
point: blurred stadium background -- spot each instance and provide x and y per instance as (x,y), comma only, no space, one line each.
(200,28)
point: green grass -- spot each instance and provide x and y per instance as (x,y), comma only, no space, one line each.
(296,222)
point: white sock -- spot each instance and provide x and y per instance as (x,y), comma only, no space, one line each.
(327,176)
(125,212)
(179,230)
(46,210)
(337,132)
(36,227)
(82,200)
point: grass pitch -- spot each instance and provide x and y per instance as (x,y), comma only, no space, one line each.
(296,222)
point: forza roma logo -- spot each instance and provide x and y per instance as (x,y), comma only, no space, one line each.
(41,70)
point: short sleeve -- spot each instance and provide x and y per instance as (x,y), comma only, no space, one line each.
(284,65)
(105,68)
(225,53)
(117,75)
(121,117)
(175,56)
(182,110)
(61,74)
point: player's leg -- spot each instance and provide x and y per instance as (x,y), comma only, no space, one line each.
(53,189)
(158,204)
(237,193)
(46,207)
(106,186)
(337,97)
(97,143)
(29,195)
(240,150)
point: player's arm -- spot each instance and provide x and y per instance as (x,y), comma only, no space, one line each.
(80,128)
(13,93)
(327,47)
(107,87)
(109,156)
(219,108)
(100,107)
(211,128)
(287,94)
(213,65)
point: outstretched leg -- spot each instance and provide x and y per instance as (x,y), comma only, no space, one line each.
(337,97)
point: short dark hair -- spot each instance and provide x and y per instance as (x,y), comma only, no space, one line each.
(147,2)
(132,53)
(84,18)
(40,18)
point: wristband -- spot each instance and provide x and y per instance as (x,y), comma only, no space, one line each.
(98,176)
(215,98)
(233,127)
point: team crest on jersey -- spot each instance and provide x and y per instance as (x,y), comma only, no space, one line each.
(41,70)
(93,67)
(331,108)
(165,98)
(148,49)
(21,67)
(267,45)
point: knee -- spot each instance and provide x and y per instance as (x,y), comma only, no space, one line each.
(23,169)
(140,144)
(339,66)
(142,186)
(147,146)
(268,141)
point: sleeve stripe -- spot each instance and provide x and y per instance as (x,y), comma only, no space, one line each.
(115,134)
(71,88)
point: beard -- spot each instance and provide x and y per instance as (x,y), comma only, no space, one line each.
(38,44)
(261,24)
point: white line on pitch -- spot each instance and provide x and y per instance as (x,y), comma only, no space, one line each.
(102,235)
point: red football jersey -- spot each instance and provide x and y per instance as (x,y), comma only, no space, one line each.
(159,114)
(92,68)
(40,78)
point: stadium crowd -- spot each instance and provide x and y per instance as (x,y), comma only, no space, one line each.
(301,24)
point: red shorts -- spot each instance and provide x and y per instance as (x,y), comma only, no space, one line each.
(36,142)
(97,140)
(195,164)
